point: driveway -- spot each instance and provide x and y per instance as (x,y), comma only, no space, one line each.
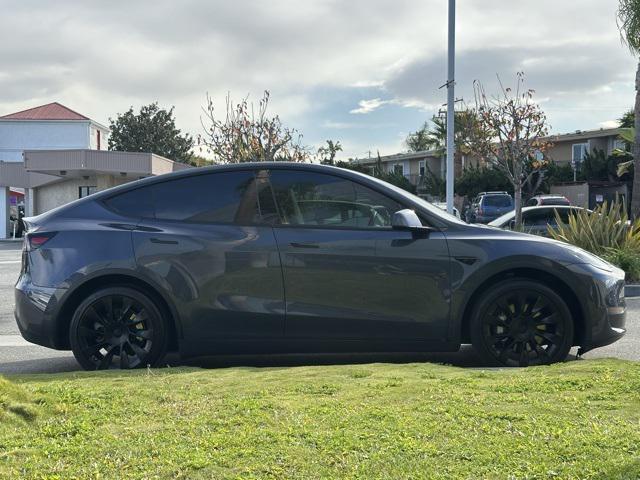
(19,356)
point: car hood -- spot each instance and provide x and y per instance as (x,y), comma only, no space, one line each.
(561,252)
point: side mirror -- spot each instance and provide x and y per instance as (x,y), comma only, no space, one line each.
(408,220)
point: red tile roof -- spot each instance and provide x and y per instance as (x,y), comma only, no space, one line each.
(50,111)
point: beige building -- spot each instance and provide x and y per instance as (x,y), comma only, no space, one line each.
(51,178)
(416,165)
(567,148)
(572,147)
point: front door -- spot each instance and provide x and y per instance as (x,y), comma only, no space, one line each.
(347,273)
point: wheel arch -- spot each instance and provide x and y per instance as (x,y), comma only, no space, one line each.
(74,297)
(541,276)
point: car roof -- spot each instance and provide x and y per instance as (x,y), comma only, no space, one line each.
(507,216)
(484,194)
(233,167)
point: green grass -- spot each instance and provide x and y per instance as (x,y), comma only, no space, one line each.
(575,420)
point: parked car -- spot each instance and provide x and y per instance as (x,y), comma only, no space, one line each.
(488,206)
(443,206)
(282,257)
(536,220)
(540,200)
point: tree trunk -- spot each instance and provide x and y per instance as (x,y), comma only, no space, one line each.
(517,204)
(635,201)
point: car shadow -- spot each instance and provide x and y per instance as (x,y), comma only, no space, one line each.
(464,358)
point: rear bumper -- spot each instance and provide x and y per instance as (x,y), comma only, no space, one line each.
(33,312)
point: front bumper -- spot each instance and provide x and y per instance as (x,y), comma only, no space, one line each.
(35,309)
(603,305)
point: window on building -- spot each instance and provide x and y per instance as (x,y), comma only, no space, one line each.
(98,138)
(618,143)
(422,168)
(579,151)
(398,169)
(86,190)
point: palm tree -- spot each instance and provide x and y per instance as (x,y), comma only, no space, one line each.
(427,138)
(628,17)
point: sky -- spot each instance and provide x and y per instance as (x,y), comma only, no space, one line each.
(365,73)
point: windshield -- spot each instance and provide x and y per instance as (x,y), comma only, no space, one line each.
(497,201)
(503,220)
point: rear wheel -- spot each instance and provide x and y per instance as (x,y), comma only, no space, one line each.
(118,327)
(520,323)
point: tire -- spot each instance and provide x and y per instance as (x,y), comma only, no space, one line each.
(519,322)
(118,327)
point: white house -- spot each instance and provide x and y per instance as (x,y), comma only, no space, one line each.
(48,127)
(57,155)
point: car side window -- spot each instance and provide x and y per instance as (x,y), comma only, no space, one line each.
(539,218)
(317,199)
(223,197)
(565,213)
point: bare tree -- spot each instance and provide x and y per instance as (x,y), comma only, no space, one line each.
(248,134)
(509,132)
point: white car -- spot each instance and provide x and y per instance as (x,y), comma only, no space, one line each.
(443,206)
(536,219)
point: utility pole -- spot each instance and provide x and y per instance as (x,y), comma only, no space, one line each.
(451,148)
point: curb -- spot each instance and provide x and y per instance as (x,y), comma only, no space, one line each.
(632,290)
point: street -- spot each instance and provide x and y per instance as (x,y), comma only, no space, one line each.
(19,356)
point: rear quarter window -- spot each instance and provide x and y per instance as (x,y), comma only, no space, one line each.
(134,203)
(223,197)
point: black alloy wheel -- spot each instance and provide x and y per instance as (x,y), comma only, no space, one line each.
(117,327)
(521,323)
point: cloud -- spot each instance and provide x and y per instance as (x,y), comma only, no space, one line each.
(368,106)
(101,57)
(609,124)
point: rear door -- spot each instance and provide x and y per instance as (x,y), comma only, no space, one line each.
(347,273)
(205,241)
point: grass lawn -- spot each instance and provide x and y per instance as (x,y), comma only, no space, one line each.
(575,420)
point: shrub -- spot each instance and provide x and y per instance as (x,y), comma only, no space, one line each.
(606,232)
(627,260)
(606,227)
(481,179)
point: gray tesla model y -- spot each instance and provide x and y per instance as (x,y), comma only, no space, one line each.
(273,257)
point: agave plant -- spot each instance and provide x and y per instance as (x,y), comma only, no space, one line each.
(607,227)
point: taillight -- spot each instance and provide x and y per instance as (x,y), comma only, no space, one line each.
(36,240)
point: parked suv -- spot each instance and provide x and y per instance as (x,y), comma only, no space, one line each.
(287,257)
(488,206)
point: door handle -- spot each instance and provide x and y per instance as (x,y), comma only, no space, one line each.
(304,245)
(163,242)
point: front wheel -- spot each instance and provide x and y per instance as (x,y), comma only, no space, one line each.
(117,327)
(520,323)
